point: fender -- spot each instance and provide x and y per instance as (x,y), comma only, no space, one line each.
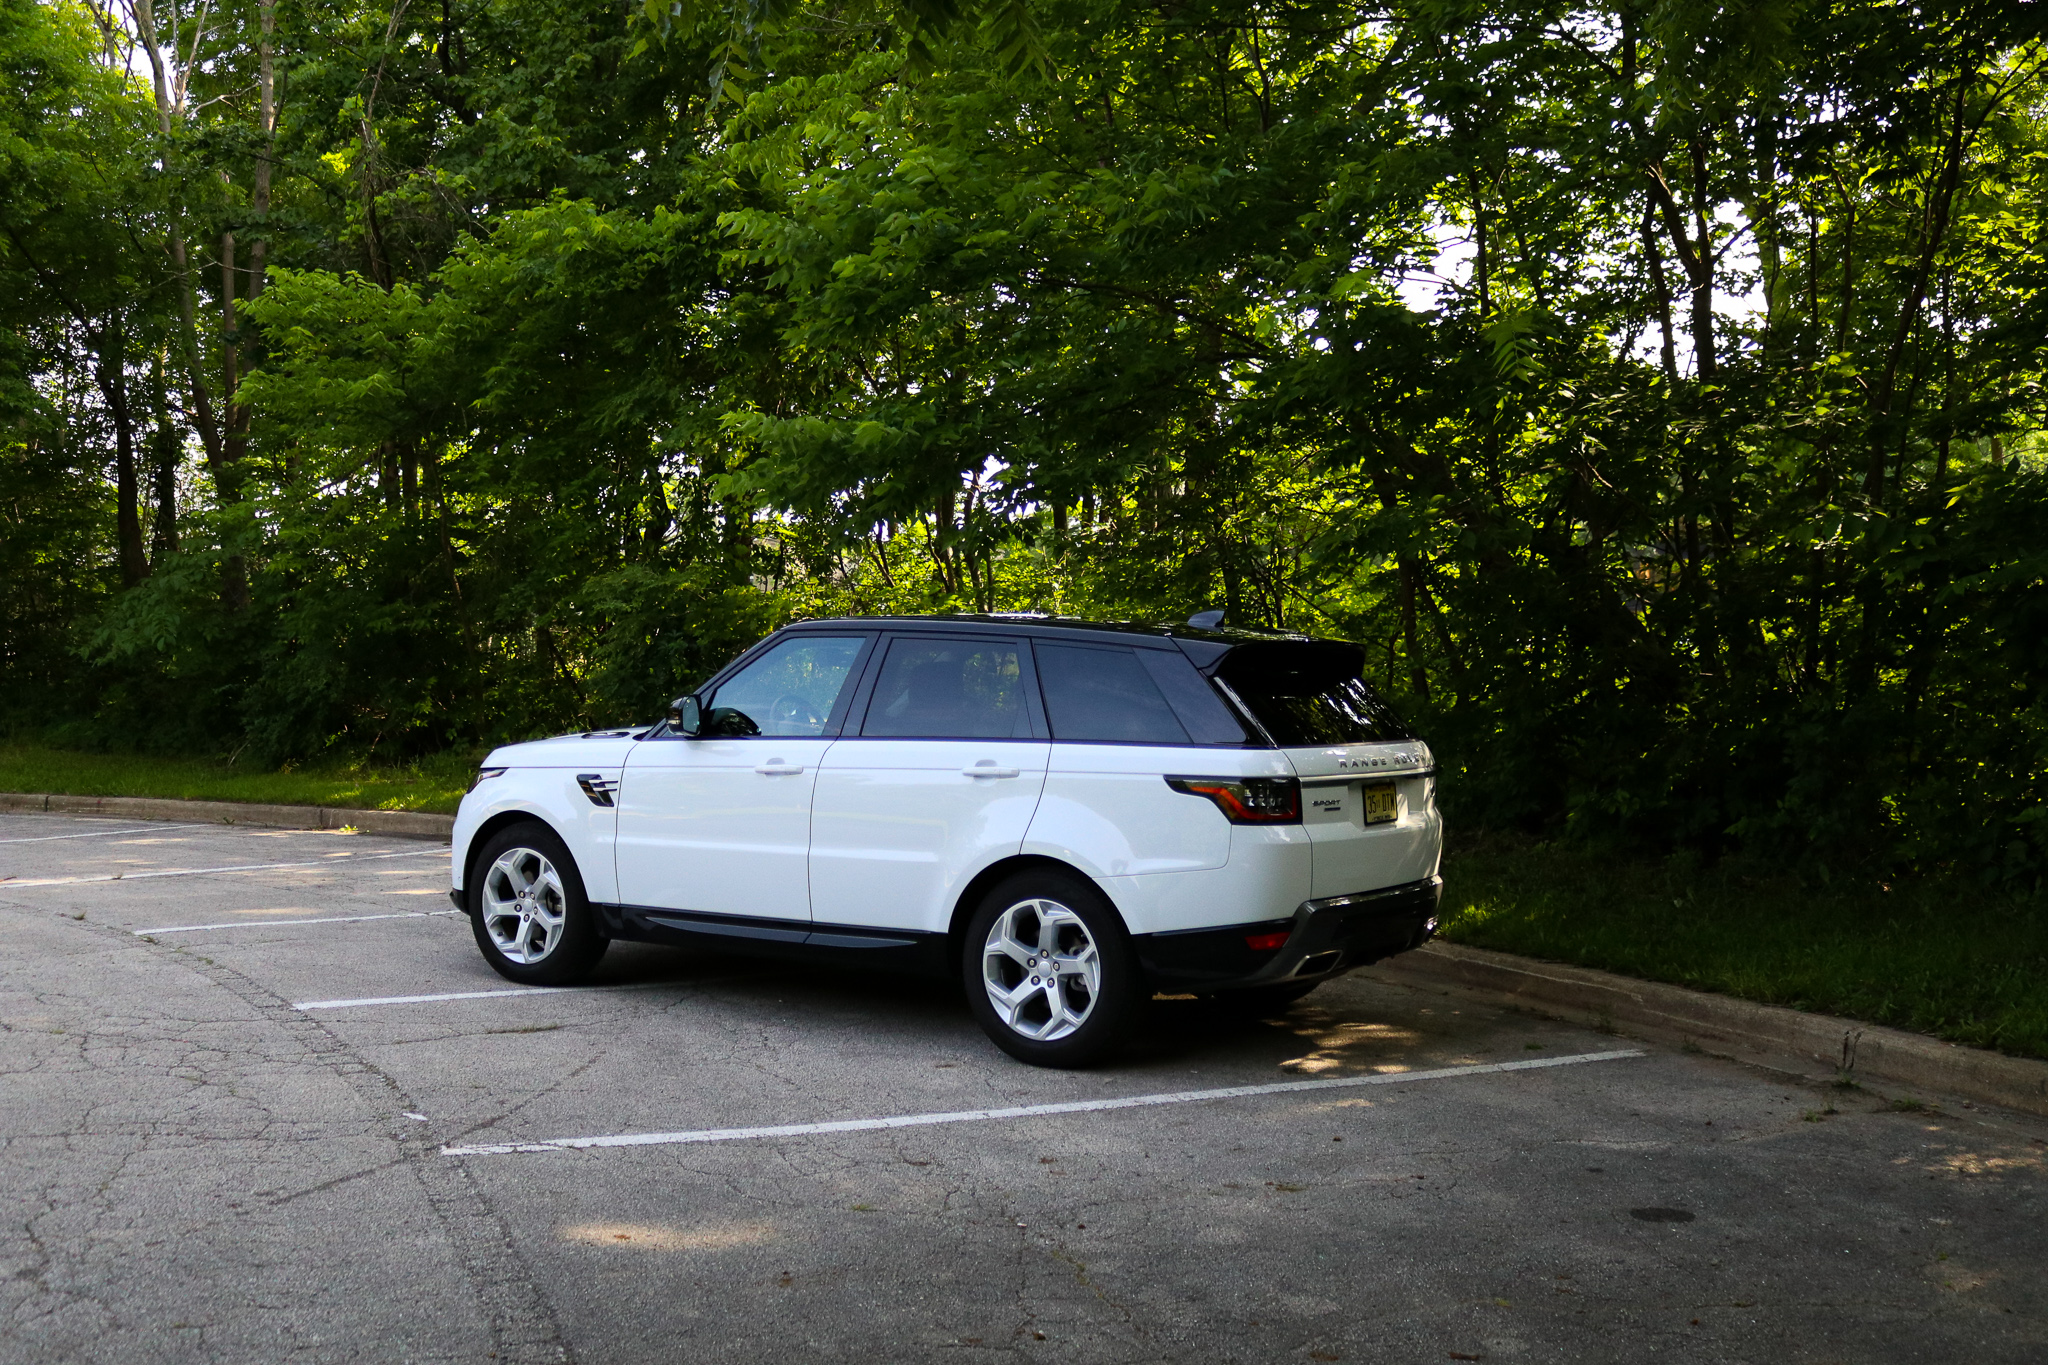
(565,783)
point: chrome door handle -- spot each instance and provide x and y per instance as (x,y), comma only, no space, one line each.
(777,768)
(987,770)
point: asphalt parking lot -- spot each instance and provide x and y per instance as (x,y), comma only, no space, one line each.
(261,1100)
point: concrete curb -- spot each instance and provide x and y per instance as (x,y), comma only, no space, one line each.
(410,824)
(1725,1025)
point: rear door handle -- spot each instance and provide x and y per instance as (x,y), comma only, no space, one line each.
(988,770)
(775,767)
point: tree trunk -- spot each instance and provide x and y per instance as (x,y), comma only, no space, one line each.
(1934,222)
(1704,359)
(169,110)
(266,117)
(1418,677)
(236,436)
(1662,286)
(163,538)
(111,370)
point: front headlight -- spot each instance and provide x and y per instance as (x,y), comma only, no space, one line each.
(485,775)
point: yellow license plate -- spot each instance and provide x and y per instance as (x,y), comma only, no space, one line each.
(1380,805)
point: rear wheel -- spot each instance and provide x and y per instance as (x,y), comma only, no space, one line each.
(1049,970)
(528,908)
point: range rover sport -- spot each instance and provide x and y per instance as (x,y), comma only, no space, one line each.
(1067,816)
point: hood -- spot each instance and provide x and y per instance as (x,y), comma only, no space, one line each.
(592,749)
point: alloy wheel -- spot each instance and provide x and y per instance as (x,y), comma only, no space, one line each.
(525,908)
(1042,969)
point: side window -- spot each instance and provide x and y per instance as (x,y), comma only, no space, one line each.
(949,689)
(1104,694)
(790,690)
(1201,711)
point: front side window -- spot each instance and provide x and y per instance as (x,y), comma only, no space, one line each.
(949,689)
(788,691)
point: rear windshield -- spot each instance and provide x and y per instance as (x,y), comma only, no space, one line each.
(1308,695)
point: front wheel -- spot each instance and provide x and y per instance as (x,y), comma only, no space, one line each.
(1049,971)
(526,902)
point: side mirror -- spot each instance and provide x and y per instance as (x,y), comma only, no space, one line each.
(686,716)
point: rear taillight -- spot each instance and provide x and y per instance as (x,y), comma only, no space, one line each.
(1247,800)
(1266,943)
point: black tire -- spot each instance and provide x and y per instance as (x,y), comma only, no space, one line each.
(1257,1002)
(561,954)
(1066,905)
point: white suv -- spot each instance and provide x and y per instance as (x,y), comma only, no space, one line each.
(1067,816)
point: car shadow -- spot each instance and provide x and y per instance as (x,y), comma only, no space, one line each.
(1319,1035)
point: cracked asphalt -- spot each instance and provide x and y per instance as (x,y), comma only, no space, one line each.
(193,1169)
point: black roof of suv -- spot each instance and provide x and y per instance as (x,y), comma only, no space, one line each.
(1270,652)
(1037,621)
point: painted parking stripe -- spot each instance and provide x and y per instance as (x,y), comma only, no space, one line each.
(486,995)
(330,861)
(102,833)
(430,999)
(1032,1110)
(260,923)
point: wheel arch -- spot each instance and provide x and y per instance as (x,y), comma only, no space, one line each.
(983,881)
(504,819)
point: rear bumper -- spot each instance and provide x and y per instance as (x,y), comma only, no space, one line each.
(1324,937)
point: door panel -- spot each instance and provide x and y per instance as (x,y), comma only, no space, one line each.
(720,823)
(703,827)
(939,779)
(898,825)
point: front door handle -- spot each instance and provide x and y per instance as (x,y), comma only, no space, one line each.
(775,767)
(987,768)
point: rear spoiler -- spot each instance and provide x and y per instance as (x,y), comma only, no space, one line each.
(1309,665)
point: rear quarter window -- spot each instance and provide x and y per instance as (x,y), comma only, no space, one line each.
(1104,695)
(1113,694)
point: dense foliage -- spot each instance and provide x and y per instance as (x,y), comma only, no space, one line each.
(1655,389)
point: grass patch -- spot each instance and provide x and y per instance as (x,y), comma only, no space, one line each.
(1945,958)
(434,784)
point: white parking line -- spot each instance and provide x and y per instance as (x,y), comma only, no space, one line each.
(430,999)
(1030,1110)
(485,995)
(259,923)
(332,859)
(101,833)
